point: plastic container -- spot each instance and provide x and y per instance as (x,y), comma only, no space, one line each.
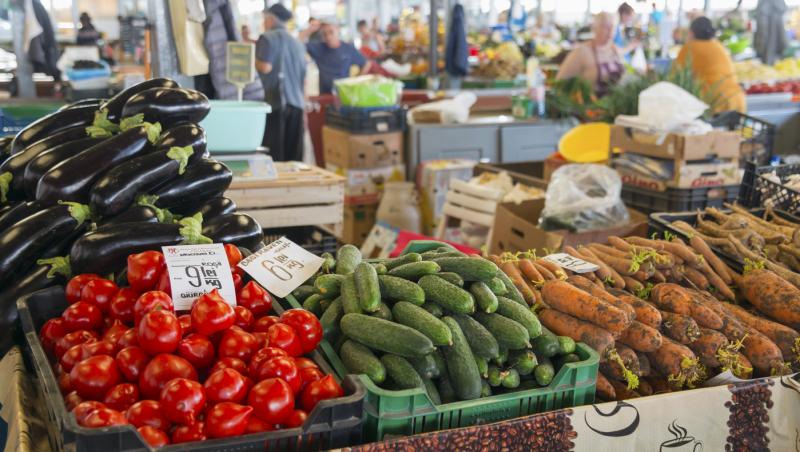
(757,191)
(758,135)
(332,424)
(586,143)
(678,199)
(311,238)
(14,118)
(366,120)
(368,91)
(233,126)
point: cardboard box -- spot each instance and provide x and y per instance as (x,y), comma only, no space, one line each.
(685,175)
(516,228)
(433,183)
(365,186)
(347,150)
(358,221)
(714,144)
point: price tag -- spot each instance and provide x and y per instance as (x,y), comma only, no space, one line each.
(281,266)
(198,269)
(572,263)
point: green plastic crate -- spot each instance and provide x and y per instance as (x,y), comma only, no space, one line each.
(410,411)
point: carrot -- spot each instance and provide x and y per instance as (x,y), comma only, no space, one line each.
(610,250)
(622,391)
(788,275)
(704,316)
(623,266)
(529,271)
(708,345)
(537,297)
(565,297)
(496,259)
(629,358)
(619,243)
(678,363)
(632,284)
(716,281)
(644,388)
(787,339)
(616,279)
(604,389)
(579,330)
(764,354)
(645,312)
(659,384)
(554,268)
(773,296)
(644,365)
(739,366)
(546,274)
(679,327)
(641,337)
(731,327)
(697,279)
(599,292)
(713,260)
(671,297)
(603,272)
(659,277)
(513,273)
(675,248)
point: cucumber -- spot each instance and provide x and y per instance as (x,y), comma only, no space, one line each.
(369,291)
(328,285)
(486,390)
(502,357)
(434,309)
(379,268)
(324,303)
(480,340)
(359,359)
(569,358)
(415,270)
(511,290)
(423,321)
(447,393)
(546,345)
(441,366)
(452,278)
(349,295)
(469,268)
(383,312)
(433,393)
(511,379)
(404,259)
(347,258)
(395,288)
(484,297)
(496,286)
(509,333)
(330,319)
(303,292)
(461,366)
(328,264)
(312,304)
(520,314)
(446,295)
(386,336)
(426,366)
(566,345)
(483,366)
(494,376)
(429,255)
(401,372)
(523,360)
(544,372)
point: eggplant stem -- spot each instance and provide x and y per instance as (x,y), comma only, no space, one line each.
(180,155)
(58,264)
(5,185)
(80,212)
(191,230)
(131,122)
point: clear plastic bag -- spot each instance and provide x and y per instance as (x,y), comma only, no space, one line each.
(582,197)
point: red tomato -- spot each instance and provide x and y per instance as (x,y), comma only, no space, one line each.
(186,324)
(323,389)
(148,302)
(183,400)
(121,307)
(310,374)
(83,409)
(153,436)
(210,314)
(113,334)
(237,281)
(237,343)
(51,332)
(159,332)
(262,338)
(147,412)
(131,361)
(225,385)
(75,285)
(283,336)
(233,254)
(104,417)
(71,339)
(189,433)
(261,356)
(72,400)
(82,316)
(262,324)
(227,419)
(256,425)
(130,338)
(196,349)
(164,285)
(99,292)
(63,382)
(281,367)
(122,396)
(303,362)
(232,363)
(144,269)
(296,419)
(244,318)
(94,376)
(161,369)
(73,356)
(272,400)
(94,348)
(255,298)
(306,325)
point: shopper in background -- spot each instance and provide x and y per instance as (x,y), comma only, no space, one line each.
(333,57)
(712,65)
(312,33)
(246,34)
(281,63)
(87,34)
(624,34)
(597,60)
(372,42)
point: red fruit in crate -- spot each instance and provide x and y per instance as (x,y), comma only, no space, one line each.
(196,349)
(189,433)
(237,343)
(256,425)
(104,417)
(82,315)
(230,363)
(281,367)
(83,409)
(144,269)
(226,385)
(323,389)
(310,374)
(227,419)
(262,324)
(186,324)
(183,400)
(51,332)
(244,318)
(272,400)
(148,301)
(94,376)
(129,338)
(153,436)
(94,348)
(99,292)
(233,254)
(121,307)
(164,284)
(73,356)
(131,362)
(303,362)
(262,338)
(255,298)
(261,356)
(63,382)
(71,339)
(238,282)
(122,396)
(114,333)
(72,400)
(147,412)
(72,291)
(210,314)
(161,369)
(296,419)
(306,325)
(283,336)
(159,332)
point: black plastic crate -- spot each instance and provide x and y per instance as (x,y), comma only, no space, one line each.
(678,199)
(758,135)
(332,424)
(366,120)
(759,191)
(313,239)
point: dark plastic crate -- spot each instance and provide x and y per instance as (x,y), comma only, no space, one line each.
(332,424)
(758,135)
(757,190)
(678,199)
(313,239)
(366,120)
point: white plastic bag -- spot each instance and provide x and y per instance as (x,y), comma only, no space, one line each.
(666,106)
(451,111)
(582,197)
(639,61)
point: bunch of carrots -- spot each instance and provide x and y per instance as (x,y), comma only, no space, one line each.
(662,313)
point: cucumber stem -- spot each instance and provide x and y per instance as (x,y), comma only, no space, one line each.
(5,185)
(80,212)
(181,155)
(58,264)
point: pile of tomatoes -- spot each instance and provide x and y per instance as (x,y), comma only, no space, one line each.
(122,355)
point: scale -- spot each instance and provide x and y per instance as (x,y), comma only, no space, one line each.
(250,166)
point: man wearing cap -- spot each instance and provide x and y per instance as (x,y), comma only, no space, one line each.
(281,63)
(333,57)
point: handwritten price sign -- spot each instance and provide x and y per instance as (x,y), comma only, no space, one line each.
(281,266)
(198,269)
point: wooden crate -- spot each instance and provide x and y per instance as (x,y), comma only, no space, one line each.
(302,195)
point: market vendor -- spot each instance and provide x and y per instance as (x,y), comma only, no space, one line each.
(597,60)
(712,66)
(333,57)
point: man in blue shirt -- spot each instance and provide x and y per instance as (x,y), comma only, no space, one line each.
(333,57)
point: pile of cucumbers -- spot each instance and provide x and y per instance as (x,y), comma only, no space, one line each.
(452,324)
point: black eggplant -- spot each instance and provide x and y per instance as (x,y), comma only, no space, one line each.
(42,163)
(5,147)
(237,228)
(13,169)
(84,102)
(26,239)
(185,134)
(62,246)
(115,105)
(72,179)
(52,123)
(168,106)
(133,214)
(20,212)
(106,249)
(203,180)
(6,208)
(117,189)
(209,209)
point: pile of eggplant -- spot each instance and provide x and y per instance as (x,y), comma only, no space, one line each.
(97,180)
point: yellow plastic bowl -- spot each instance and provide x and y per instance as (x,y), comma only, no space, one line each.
(586,143)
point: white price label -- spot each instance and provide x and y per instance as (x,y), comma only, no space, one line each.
(281,266)
(198,269)
(572,263)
